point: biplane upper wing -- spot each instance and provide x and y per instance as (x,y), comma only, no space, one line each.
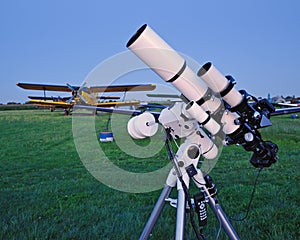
(123,88)
(70,88)
(47,87)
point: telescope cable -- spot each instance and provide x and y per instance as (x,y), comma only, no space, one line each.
(251,199)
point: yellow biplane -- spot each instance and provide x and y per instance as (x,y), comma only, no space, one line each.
(85,95)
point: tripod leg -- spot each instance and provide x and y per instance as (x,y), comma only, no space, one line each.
(181,207)
(207,186)
(220,214)
(156,212)
(180,215)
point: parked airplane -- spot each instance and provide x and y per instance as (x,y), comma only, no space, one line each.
(87,95)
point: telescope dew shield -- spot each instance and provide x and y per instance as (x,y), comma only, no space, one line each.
(220,84)
(166,62)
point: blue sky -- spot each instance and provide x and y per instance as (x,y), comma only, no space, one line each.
(258,42)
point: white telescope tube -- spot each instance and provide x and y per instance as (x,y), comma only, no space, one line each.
(166,62)
(228,122)
(218,83)
(195,111)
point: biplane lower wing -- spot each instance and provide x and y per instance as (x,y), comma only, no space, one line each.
(71,104)
(55,99)
(52,104)
(163,95)
(109,97)
(113,104)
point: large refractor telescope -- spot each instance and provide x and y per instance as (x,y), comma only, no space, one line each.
(170,66)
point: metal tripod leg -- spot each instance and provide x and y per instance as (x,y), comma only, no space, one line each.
(228,228)
(180,215)
(172,180)
(156,212)
(207,186)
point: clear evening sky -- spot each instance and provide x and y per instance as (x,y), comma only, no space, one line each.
(59,41)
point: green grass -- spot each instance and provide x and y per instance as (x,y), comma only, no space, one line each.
(46,193)
(5,107)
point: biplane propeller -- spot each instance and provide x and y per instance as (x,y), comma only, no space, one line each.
(87,95)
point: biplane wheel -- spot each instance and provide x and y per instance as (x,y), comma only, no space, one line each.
(67,112)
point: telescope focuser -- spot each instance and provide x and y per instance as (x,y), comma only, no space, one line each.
(252,111)
(253,114)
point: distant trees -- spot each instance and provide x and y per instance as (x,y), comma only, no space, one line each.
(13,103)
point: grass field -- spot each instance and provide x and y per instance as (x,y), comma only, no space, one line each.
(46,193)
